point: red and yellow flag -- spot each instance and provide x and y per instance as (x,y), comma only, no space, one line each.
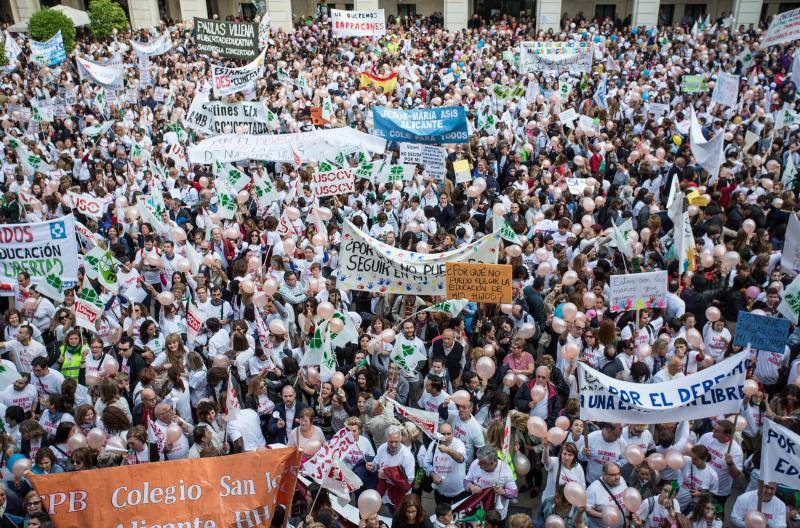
(388,83)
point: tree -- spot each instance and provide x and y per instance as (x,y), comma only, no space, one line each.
(105,16)
(3,58)
(44,24)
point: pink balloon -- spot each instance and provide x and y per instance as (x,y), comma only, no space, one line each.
(325,310)
(569,311)
(374,345)
(312,375)
(575,494)
(165,298)
(634,454)
(259,299)
(755,519)
(336,325)
(657,461)
(526,331)
(324,213)
(461,397)
(369,503)
(563,423)
(558,325)
(293,213)
(538,393)
(713,314)
(612,516)
(247,286)
(110,366)
(509,380)
(388,335)
(76,441)
(116,444)
(674,460)
(96,438)
(569,278)
(750,387)
(522,465)
(556,435)
(513,251)
(506,308)
(707,260)
(319,240)
(184,266)
(337,379)
(537,427)
(92,379)
(632,499)
(289,247)
(174,432)
(277,327)
(485,368)
(589,300)
(753,292)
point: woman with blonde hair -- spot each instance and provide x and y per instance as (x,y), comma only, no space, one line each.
(174,354)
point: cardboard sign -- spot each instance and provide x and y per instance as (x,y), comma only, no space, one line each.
(333,183)
(488,283)
(761,332)
(316,117)
(638,291)
(462,170)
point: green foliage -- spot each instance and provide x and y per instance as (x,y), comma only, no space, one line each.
(3,58)
(44,24)
(105,16)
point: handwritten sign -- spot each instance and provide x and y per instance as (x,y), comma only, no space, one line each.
(489,283)
(461,168)
(639,291)
(761,332)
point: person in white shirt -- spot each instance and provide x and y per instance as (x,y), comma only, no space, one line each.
(42,315)
(466,428)
(638,435)
(771,507)
(23,349)
(393,454)
(606,490)
(445,464)
(604,446)
(697,478)
(47,381)
(21,393)
(433,395)
(673,370)
(363,447)
(715,339)
(728,465)
(487,472)
(244,431)
(654,512)
(220,341)
(565,466)
(157,433)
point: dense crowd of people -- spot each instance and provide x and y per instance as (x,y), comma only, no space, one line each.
(142,386)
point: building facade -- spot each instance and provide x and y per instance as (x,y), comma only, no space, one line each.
(147,13)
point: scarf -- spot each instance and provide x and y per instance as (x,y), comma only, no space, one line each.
(72,350)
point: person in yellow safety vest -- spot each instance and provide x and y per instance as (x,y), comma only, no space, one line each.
(73,354)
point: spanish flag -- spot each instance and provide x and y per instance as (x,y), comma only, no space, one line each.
(388,83)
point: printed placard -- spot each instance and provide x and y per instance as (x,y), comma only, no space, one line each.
(333,183)
(487,283)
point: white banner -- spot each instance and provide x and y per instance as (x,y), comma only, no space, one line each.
(726,90)
(102,75)
(227,81)
(316,145)
(86,204)
(709,153)
(333,183)
(226,118)
(638,291)
(367,264)
(790,258)
(319,466)
(358,23)
(432,157)
(710,392)
(157,47)
(427,421)
(50,53)
(780,455)
(785,27)
(789,306)
(550,56)
(41,249)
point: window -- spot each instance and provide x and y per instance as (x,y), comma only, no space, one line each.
(604,11)
(666,14)
(349,7)
(405,10)
(248,11)
(783,7)
(694,12)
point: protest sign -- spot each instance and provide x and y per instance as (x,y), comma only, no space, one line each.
(462,170)
(638,291)
(780,455)
(319,466)
(158,46)
(658,109)
(358,23)
(251,115)
(100,74)
(486,283)
(789,306)
(86,204)
(693,84)
(333,183)
(761,332)
(366,264)
(430,125)
(235,40)
(227,81)
(50,53)
(726,90)
(429,156)
(41,249)
(784,27)
(790,257)
(576,185)
(551,56)
(195,317)
(316,117)
(427,421)
(235,490)
(568,117)
(710,392)
(316,145)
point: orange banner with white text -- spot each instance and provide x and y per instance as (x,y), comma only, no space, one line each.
(235,491)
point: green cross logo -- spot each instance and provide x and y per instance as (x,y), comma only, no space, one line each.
(106,268)
(443,306)
(316,341)
(54,281)
(406,351)
(325,166)
(227,201)
(396,174)
(90,296)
